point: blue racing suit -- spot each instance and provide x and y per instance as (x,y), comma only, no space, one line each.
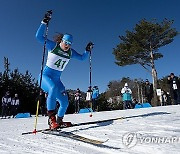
(57,60)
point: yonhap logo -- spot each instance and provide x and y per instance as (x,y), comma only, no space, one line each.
(130,140)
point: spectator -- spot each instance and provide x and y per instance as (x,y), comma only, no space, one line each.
(77,100)
(148,91)
(6,104)
(127,98)
(95,95)
(14,105)
(42,103)
(168,98)
(174,88)
(89,96)
(163,98)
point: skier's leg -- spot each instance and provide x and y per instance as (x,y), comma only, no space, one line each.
(49,86)
(62,99)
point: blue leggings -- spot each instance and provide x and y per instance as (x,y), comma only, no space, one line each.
(56,91)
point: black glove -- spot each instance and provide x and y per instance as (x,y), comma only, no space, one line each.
(47,17)
(89,46)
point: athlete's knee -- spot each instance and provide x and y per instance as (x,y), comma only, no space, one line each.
(64,93)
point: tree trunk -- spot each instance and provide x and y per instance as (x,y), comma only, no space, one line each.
(155,79)
(139,98)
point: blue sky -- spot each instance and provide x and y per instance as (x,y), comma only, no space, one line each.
(100,21)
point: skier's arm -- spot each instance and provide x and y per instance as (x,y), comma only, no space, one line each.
(41,38)
(88,49)
(78,56)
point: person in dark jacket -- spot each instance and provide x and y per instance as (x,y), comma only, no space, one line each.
(14,105)
(174,88)
(148,88)
(6,104)
(42,103)
(77,100)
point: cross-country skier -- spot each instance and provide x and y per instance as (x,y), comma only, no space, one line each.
(59,54)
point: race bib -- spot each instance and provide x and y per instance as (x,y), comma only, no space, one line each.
(58,59)
(56,62)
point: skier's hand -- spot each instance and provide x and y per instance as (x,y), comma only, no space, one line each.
(89,46)
(47,17)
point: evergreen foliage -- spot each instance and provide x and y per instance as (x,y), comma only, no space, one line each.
(135,46)
(24,85)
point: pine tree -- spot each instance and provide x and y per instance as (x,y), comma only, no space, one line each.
(141,46)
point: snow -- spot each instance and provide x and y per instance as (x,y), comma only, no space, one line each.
(141,131)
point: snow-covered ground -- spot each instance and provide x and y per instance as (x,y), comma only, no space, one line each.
(149,131)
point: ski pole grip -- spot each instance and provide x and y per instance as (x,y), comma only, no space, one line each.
(49,12)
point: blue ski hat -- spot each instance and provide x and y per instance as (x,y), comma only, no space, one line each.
(68,39)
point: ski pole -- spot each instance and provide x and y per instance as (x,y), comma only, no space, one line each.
(42,66)
(90,70)
(90,78)
(35,124)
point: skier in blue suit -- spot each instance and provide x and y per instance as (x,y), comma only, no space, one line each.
(59,54)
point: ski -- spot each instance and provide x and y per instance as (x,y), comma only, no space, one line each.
(74,137)
(65,125)
(34,132)
(97,121)
(74,125)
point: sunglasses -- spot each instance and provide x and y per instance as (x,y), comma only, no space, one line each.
(67,42)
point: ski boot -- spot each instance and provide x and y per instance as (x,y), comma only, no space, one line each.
(63,124)
(52,120)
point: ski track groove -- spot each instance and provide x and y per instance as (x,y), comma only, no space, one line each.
(31,145)
(49,146)
(90,147)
